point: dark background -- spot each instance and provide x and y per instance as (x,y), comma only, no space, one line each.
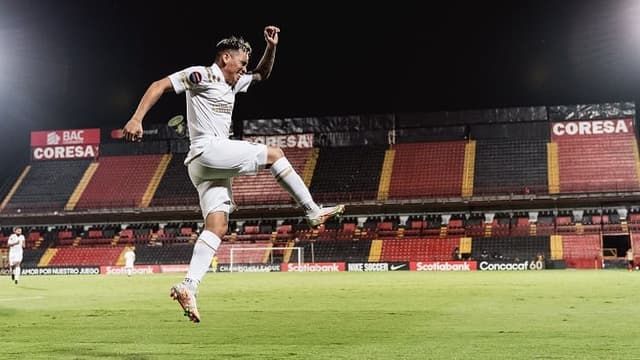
(80,64)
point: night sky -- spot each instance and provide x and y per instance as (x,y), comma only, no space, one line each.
(79,64)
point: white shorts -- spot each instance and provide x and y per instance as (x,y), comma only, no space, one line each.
(212,171)
(14,258)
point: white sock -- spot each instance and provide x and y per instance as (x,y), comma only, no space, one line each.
(289,179)
(16,272)
(203,252)
(129,271)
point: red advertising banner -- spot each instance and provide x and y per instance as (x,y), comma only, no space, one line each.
(65,144)
(64,152)
(174,268)
(312,267)
(443,266)
(581,128)
(137,269)
(65,137)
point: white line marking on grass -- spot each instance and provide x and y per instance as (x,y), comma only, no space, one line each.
(23,298)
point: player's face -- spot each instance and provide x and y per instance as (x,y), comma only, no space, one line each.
(235,66)
(18,231)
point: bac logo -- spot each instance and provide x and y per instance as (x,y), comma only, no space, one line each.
(68,137)
(53,138)
(195,78)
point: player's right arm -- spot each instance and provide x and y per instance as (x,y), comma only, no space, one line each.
(133,128)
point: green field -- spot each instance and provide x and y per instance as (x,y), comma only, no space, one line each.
(555,314)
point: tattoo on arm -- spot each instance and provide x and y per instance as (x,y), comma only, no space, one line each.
(266,63)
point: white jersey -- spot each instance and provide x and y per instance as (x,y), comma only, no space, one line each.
(129,258)
(209,103)
(16,244)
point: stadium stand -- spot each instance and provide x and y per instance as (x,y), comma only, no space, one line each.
(433,249)
(512,248)
(119,181)
(336,250)
(171,254)
(506,166)
(31,257)
(96,256)
(262,188)
(486,182)
(175,188)
(47,186)
(597,163)
(427,170)
(582,251)
(347,173)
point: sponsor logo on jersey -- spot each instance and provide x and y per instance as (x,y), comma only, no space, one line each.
(195,78)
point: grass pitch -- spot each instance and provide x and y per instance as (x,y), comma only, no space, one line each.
(555,314)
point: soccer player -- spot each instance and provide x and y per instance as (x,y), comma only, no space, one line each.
(16,245)
(629,257)
(129,259)
(214,159)
(214,263)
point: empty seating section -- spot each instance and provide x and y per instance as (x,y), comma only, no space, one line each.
(119,181)
(597,163)
(565,222)
(520,225)
(31,257)
(32,239)
(545,224)
(95,236)
(456,225)
(434,249)
(582,251)
(48,185)
(427,170)
(510,248)
(175,188)
(335,250)
(68,256)
(635,238)
(345,241)
(66,237)
(263,188)
(475,226)
(347,173)
(171,254)
(509,166)
(421,174)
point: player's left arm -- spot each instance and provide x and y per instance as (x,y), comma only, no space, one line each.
(265,65)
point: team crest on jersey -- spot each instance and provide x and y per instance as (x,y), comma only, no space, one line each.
(195,78)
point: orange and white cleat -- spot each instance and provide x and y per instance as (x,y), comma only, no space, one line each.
(319,218)
(187,300)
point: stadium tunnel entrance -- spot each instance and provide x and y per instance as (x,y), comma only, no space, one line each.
(614,248)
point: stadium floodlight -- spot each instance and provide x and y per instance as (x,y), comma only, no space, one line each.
(178,124)
(251,256)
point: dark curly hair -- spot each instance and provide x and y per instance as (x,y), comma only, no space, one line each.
(233,43)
